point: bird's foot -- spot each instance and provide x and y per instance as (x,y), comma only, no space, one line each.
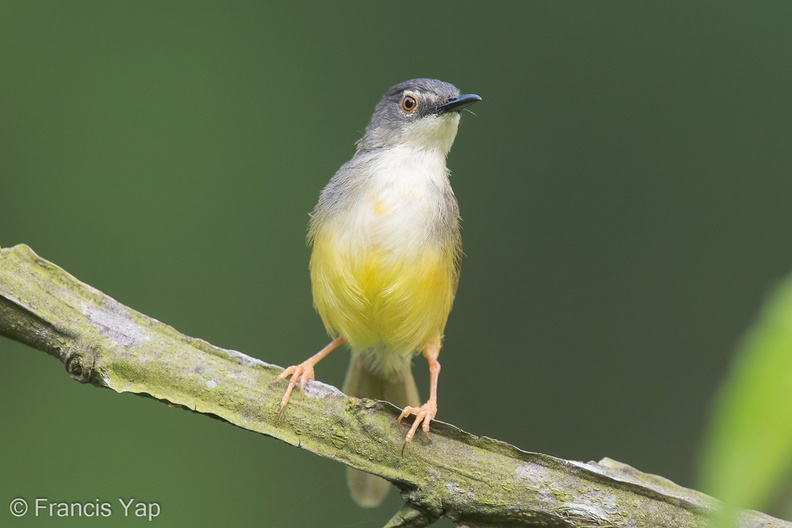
(423,415)
(301,374)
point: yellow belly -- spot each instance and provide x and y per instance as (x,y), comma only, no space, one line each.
(384,303)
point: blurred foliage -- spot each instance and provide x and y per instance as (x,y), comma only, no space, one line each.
(748,449)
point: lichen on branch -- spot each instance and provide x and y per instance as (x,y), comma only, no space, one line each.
(475,481)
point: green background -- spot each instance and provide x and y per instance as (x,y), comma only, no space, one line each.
(624,187)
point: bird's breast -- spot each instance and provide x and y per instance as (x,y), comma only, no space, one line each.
(406,203)
(384,267)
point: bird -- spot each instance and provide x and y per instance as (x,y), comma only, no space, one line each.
(386,257)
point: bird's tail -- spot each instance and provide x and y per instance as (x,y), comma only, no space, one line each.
(400,389)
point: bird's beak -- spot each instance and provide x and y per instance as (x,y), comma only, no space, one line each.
(458,103)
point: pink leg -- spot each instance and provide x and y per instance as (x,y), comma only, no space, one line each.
(426,412)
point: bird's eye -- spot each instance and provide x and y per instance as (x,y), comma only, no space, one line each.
(408,103)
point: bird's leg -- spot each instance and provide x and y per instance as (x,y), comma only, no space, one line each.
(303,372)
(426,412)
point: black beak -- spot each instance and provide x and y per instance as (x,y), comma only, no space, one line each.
(458,103)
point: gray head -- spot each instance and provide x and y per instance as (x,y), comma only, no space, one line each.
(419,113)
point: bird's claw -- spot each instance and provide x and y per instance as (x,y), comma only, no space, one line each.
(301,374)
(423,415)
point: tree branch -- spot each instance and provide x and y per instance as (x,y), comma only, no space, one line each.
(475,481)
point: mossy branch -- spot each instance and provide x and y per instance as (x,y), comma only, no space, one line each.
(474,481)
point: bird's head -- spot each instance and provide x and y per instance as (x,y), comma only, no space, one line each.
(420,113)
